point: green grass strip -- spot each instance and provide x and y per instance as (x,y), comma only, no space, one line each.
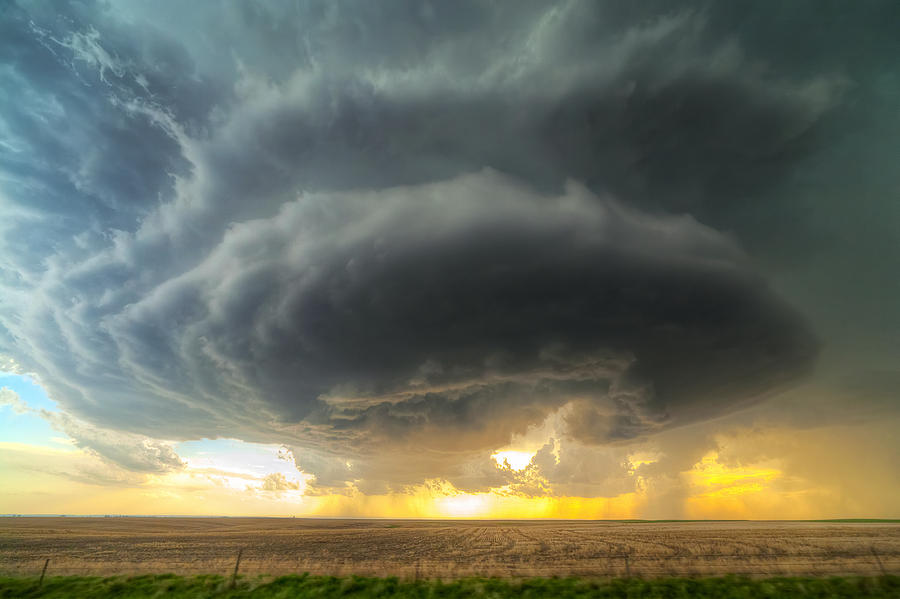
(195,587)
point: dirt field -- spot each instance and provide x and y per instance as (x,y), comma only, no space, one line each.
(444,549)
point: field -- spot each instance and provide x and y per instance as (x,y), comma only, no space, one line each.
(445,550)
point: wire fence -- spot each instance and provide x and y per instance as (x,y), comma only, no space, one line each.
(866,562)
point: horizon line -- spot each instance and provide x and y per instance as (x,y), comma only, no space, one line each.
(439,519)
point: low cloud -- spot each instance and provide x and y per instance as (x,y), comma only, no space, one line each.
(277,482)
(10,398)
(135,453)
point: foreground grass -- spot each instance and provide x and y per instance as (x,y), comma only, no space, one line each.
(159,586)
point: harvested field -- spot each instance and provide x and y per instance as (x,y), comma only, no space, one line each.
(446,549)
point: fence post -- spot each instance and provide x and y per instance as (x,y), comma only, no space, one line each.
(44,571)
(627,567)
(878,561)
(236,566)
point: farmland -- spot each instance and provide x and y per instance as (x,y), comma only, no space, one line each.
(446,550)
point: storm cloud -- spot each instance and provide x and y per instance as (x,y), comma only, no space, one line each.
(374,231)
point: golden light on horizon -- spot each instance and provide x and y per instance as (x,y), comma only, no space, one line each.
(497,505)
(710,478)
(719,490)
(244,479)
(464,505)
(236,483)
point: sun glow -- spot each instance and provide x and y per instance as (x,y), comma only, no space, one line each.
(464,506)
(516,460)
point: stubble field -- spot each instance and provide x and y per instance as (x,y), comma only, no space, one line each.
(445,549)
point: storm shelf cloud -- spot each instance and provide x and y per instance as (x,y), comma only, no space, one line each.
(369,231)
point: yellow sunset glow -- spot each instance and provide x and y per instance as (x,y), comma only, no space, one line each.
(740,492)
(252,480)
(201,489)
(712,479)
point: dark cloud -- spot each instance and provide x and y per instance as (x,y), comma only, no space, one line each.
(373,231)
(456,314)
(476,289)
(67,153)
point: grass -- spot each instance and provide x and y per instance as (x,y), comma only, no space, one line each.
(196,587)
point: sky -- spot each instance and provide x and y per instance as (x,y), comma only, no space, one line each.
(450,259)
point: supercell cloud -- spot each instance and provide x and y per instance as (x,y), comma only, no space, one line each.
(368,231)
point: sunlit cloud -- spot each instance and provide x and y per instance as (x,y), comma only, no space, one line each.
(516,460)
